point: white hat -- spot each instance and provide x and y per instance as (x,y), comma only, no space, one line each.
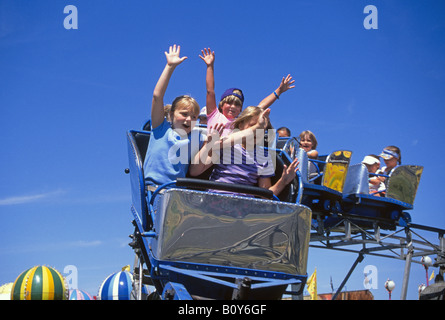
(370,160)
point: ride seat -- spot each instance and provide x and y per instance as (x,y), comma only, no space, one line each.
(137,142)
(289,193)
(401,185)
(324,198)
(400,194)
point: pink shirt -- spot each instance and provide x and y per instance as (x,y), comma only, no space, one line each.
(217,117)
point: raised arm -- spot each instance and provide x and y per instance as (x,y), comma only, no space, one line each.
(286,84)
(209,58)
(157,105)
(205,157)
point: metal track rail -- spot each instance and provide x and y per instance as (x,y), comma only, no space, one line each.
(409,243)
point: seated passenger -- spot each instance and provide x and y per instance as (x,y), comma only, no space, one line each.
(376,184)
(247,162)
(232,100)
(308,142)
(203,116)
(283,132)
(170,148)
(392,157)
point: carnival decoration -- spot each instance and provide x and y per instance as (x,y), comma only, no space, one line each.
(39,283)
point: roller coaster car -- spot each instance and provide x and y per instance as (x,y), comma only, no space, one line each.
(203,245)
(324,198)
(387,211)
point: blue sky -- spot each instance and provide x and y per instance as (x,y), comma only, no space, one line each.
(69,96)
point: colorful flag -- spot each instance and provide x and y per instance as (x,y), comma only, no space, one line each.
(312,285)
(432,276)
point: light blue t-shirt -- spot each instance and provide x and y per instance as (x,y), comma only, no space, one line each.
(169,155)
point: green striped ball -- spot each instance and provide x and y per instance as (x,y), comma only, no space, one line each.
(39,283)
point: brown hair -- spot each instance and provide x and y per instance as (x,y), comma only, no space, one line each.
(311,136)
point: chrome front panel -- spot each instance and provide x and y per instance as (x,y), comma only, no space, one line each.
(357,180)
(224,230)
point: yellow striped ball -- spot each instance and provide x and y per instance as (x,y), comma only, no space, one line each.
(39,283)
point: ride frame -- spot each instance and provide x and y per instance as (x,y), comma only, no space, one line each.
(361,232)
(404,243)
(347,233)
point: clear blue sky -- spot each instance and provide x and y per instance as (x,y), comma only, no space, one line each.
(68,97)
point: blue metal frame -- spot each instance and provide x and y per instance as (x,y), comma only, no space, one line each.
(328,204)
(171,278)
(171,275)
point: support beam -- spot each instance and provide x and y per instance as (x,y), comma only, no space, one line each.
(408,259)
(356,262)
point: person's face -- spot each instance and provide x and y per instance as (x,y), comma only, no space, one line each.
(203,120)
(231,110)
(391,162)
(184,118)
(282,133)
(249,123)
(373,167)
(306,143)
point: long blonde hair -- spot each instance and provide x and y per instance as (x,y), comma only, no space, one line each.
(246,116)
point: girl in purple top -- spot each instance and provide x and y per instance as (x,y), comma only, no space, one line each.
(242,160)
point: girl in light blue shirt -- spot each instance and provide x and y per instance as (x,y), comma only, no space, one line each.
(172,145)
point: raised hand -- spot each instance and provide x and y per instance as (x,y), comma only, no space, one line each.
(157,104)
(214,133)
(207,56)
(286,84)
(289,172)
(263,120)
(172,56)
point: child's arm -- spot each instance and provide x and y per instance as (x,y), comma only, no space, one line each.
(288,175)
(256,131)
(374,181)
(205,158)
(286,84)
(209,58)
(313,154)
(157,105)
